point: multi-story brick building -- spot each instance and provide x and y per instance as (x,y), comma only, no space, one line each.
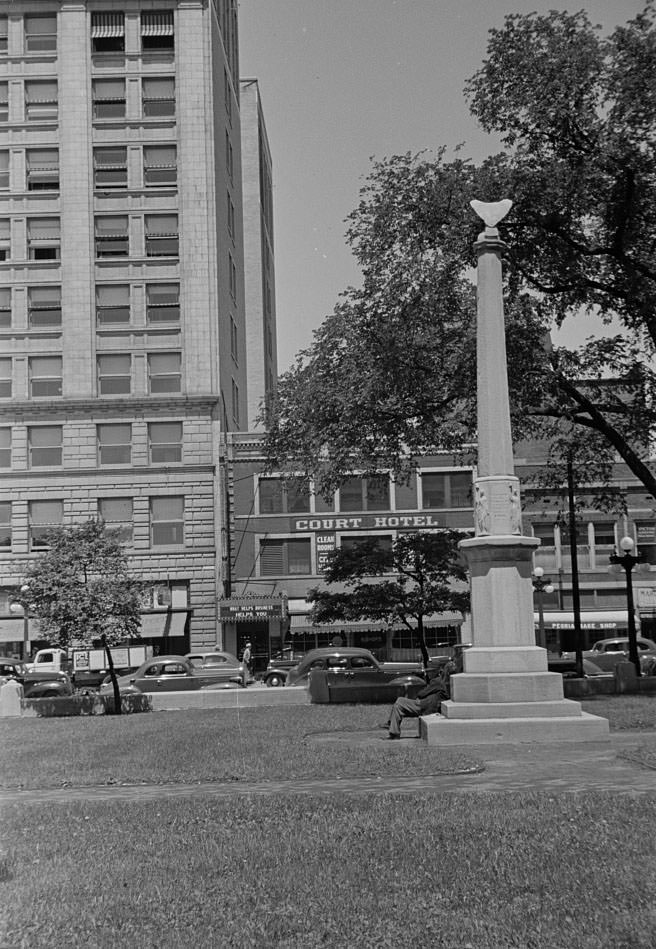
(279,536)
(122,290)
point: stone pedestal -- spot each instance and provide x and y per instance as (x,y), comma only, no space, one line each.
(505,692)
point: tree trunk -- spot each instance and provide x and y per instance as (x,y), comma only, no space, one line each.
(422,644)
(112,675)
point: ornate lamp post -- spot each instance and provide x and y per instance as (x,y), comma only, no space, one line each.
(541,585)
(627,562)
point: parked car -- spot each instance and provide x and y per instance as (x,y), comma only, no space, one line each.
(174,674)
(355,675)
(276,671)
(36,685)
(606,653)
(222,665)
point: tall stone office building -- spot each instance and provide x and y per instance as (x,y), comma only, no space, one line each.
(123,353)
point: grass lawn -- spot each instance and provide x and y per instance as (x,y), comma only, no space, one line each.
(532,871)
(455,871)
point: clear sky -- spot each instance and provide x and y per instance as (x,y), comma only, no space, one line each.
(343,81)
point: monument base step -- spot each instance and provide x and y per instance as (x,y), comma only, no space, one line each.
(561,708)
(438,730)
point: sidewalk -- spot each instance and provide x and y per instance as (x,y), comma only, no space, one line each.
(567,767)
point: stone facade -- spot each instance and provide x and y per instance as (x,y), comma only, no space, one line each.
(123,333)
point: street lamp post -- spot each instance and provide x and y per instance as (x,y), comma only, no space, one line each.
(627,561)
(541,585)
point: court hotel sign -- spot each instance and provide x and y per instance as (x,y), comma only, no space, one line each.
(366,522)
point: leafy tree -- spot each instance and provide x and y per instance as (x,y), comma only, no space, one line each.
(80,590)
(391,373)
(428,578)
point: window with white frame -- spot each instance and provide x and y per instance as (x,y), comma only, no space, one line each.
(43,238)
(5,520)
(5,377)
(4,24)
(114,374)
(110,168)
(277,496)
(446,489)
(41,100)
(545,532)
(114,443)
(45,375)
(109,98)
(108,32)
(5,307)
(40,33)
(365,494)
(604,534)
(165,443)
(117,515)
(4,170)
(166,521)
(157,31)
(4,102)
(112,303)
(112,236)
(42,169)
(158,97)
(44,445)
(5,447)
(166,595)
(5,238)
(164,373)
(160,168)
(285,557)
(44,517)
(44,306)
(163,302)
(161,235)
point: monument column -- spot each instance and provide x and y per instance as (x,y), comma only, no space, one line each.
(505,692)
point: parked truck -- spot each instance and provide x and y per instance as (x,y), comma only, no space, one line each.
(88,667)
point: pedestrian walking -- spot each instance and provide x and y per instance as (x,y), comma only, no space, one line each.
(246,660)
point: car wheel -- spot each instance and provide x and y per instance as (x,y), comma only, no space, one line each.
(275,681)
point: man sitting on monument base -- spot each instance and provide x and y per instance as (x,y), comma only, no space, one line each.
(428,701)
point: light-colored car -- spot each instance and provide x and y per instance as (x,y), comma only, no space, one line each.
(220,664)
(606,653)
(175,674)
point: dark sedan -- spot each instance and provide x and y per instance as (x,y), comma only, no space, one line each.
(173,674)
(36,685)
(354,675)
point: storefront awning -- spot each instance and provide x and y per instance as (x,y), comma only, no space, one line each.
(302,622)
(601,620)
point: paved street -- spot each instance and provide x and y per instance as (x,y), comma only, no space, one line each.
(560,768)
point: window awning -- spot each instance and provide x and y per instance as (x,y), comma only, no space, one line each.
(107,24)
(157,24)
(163,623)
